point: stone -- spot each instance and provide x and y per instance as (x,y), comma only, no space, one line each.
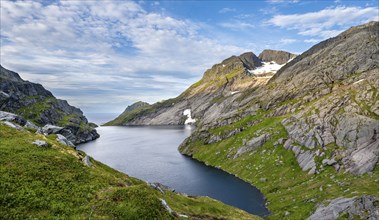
(51,129)
(40,143)
(30,125)
(63,140)
(86,161)
(263,179)
(251,145)
(10,117)
(164,203)
(329,162)
(12,125)
(357,206)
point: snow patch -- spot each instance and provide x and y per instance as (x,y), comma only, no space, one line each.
(267,67)
(189,119)
(234,92)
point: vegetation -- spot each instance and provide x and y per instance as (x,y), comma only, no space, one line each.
(291,193)
(53,183)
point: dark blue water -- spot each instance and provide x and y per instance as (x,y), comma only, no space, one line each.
(150,154)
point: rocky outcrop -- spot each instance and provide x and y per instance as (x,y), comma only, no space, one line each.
(350,208)
(40,143)
(278,56)
(38,105)
(252,145)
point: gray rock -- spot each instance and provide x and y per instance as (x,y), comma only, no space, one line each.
(10,117)
(86,161)
(357,206)
(263,179)
(30,125)
(63,140)
(251,145)
(40,143)
(329,162)
(12,125)
(51,129)
(164,203)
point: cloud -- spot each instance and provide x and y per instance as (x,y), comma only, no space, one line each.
(227,10)
(287,41)
(312,40)
(282,1)
(237,25)
(327,22)
(105,50)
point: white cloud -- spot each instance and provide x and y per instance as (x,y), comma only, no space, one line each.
(312,40)
(327,22)
(115,47)
(227,10)
(287,41)
(237,25)
(282,1)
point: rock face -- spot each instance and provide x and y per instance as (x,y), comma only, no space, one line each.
(39,106)
(213,95)
(280,57)
(362,207)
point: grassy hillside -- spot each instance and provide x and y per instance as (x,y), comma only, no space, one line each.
(291,192)
(53,182)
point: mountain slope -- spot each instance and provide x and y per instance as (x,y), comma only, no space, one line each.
(38,105)
(309,137)
(54,181)
(222,81)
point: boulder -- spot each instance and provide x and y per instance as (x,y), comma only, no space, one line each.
(63,140)
(364,207)
(40,143)
(10,117)
(51,129)
(12,125)
(252,145)
(86,161)
(30,125)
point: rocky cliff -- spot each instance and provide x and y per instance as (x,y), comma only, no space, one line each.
(38,105)
(213,95)
(280,57)
(312,130)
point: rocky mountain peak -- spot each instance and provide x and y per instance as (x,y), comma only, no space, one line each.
(278,56)
(9,75)
(135,106)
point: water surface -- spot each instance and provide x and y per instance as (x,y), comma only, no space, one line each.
(150,153)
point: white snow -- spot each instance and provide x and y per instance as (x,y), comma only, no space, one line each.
(189,119)
(223,65)
(267,67)
(234,92)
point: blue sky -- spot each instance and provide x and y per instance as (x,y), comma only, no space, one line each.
(104,55)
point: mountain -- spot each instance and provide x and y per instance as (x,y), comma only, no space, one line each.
(307,135)
(42,178)
(224,80)
(280,57)
(33,102)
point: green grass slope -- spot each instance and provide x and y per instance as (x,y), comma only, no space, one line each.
(53,183)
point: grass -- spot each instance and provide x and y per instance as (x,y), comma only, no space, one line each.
(53,183)
(288,188)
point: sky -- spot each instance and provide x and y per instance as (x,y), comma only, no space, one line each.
(104,55)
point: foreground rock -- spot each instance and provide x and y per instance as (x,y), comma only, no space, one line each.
(351,208)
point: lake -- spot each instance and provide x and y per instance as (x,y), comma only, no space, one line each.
(151,153)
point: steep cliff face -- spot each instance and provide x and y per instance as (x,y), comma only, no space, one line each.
(213,95)
(280,57)
(38,105)
(310,130)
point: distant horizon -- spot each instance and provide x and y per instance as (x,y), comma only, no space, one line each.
(102,57)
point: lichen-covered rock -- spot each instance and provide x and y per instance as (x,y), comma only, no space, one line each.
(252,145)
(40,143)
(363,207)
